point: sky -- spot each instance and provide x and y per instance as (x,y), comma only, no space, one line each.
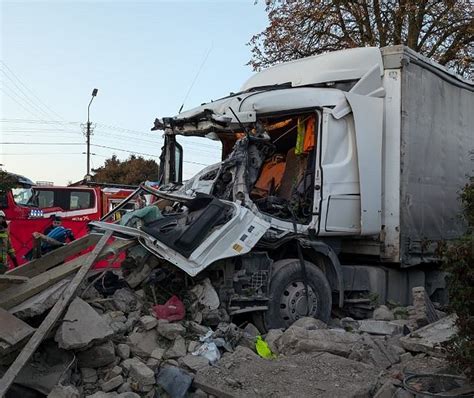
(145,58)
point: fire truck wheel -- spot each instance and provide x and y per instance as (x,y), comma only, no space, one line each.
(288,300)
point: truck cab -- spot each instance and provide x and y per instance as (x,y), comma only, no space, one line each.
(33,208)
(320,195)
(19,203)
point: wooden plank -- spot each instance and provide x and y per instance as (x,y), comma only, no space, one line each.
(12,329)
(55,257)
(52,317)
(7,280)
(17,294)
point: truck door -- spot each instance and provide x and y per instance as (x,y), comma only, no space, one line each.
(340,198)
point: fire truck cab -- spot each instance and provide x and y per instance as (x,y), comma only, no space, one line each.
(32,208)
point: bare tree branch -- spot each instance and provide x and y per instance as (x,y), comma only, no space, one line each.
(442,30)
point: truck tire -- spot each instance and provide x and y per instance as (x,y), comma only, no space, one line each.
(287,299)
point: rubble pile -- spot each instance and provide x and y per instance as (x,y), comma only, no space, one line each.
(111,342)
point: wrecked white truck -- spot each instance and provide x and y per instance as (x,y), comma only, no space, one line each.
(339,180)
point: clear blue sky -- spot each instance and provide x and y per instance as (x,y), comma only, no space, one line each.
(142,56)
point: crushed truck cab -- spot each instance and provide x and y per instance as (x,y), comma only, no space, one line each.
(311,197)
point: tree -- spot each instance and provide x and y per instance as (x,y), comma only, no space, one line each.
(441,30)
(132,171)
(7,181)
(458,262)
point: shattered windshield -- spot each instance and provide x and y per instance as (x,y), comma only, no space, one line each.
(23,196)
(199,153)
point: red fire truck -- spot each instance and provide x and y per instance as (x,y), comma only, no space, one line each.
(32,208)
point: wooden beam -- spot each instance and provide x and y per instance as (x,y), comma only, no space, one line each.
(13,330)
(55,313)
(55,257)
(19,293)
(8,280)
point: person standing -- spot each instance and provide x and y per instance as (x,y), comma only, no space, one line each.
(6,249)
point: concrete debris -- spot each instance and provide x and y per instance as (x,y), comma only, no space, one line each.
(127,364)
(142,374)
(382,313)
(126,300)
(214,317)
(48,368)
(174,381)
(13,332)
(400,312)
(81,326)
(272,338)
(251,331)
(193,346)
(295,340)
(196,329)
(170,330)
(143,343)
(384,328)
(148,322)
(117,321)
(97,356)
(153,363)
(40,302)
(177,350)
(310,323)
(89,375)
(157,353)
(244,374)
(423,311)
(123,351)
(125,387)
(112,384)
(430,339)
(115,371)
(193,362)
(349,324)
(114,348)
(375,351)
(64,392)
(393,389)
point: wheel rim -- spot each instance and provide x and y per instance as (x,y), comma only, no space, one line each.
(293,303)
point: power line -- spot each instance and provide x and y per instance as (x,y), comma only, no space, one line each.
(31,91)
(144,154)
(24,97)
(39,121)
(42,153)
(41,143)
(12,98)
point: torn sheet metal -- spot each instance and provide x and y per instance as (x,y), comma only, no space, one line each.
(236,237)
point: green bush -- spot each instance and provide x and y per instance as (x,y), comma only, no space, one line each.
(459,263)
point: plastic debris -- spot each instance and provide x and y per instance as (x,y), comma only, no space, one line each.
(172,310)
(263,349)
(206,294)
(208,351)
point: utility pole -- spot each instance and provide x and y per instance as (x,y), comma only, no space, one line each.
(88,136)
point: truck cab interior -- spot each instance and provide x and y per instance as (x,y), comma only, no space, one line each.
(278,155)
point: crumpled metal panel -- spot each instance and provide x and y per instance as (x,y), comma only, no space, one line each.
(436,137)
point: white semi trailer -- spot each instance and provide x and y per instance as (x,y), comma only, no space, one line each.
(340,177)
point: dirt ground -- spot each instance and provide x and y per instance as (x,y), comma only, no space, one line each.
(244,374)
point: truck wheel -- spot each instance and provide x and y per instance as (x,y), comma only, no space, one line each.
(288,301)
